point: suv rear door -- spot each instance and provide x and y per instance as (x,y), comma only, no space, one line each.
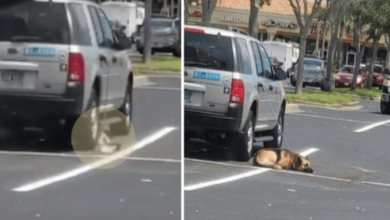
(209,66)
(34,47)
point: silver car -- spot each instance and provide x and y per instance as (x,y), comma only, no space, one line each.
(314,72)
(58,59)
(165,36)
(231,90)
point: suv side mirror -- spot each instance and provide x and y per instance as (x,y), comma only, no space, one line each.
(280,74)
(123,43)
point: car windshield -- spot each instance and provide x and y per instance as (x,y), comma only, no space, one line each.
(37,22)
(315,63)
(208,51)
(347,69)
(377,69)
(158,23)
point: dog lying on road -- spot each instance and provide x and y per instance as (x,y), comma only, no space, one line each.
(281,159)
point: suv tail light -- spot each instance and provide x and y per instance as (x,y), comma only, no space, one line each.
(193,30)
(76,67)
(237,92)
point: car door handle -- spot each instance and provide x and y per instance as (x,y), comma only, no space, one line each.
(114,59)
(102,58)
(260,85)
(271,87)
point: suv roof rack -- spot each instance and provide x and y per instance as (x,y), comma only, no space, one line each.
(223,27)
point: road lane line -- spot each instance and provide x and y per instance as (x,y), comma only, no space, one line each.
(76,172)
(68,155)
(331,118)
(376,184)
(239,176)
(374,125)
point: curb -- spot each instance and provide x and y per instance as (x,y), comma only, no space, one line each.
(292,108)
(348,106)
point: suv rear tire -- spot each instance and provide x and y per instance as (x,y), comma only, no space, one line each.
(385,108)
(85,140)
(242,145)
(276,133)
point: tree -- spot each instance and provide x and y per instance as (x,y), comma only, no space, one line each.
(304,21)
(208,7)
(147,50)
(377,15)
(337,10)
(256,5)
(387,41)
(357,11)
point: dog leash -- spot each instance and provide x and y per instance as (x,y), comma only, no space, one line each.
(273,112)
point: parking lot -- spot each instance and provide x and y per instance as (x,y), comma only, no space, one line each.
(348,151)
(146,186)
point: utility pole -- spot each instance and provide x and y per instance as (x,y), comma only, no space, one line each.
(147,32)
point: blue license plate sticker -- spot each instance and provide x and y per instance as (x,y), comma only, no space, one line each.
(187,96)
(40,52)
(207,76)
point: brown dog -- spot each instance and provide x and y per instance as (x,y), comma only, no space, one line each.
(281,159)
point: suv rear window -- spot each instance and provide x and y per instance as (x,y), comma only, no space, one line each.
(39,22)
(208,51)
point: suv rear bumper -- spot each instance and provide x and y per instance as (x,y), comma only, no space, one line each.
(213,121)
(38,107)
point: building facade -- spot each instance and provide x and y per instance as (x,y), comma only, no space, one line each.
(278,22)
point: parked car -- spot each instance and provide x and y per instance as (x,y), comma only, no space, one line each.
(228,76)
(345,75)
(165,36)
(377,75)
(314,71)
(385,100)
(59,59)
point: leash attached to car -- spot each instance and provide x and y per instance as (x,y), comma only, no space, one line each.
(273,112)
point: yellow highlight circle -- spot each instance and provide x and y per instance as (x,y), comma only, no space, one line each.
(103,137)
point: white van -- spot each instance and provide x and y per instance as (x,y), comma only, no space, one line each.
(123,12)
(284,52)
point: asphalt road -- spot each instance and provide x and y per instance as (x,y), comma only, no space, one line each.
(351,178)
(146,186)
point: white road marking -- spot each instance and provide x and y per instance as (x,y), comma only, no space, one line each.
(239,176)
(76,172)
(331,118)
(44,154)
(369,127)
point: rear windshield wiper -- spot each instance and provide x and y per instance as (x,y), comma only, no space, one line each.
(191,63)
(24,38)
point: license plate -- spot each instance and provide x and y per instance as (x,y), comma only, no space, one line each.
(12,78)
(346,84)
(187,96)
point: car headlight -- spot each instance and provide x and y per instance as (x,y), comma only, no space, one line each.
(359,79)
(338,77)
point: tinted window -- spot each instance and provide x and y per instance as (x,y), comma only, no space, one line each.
(266,63)
(32,21)
(97,26)
(208,51)
(259,65)
(347,69)
(80,29)
(107,31)
(243,59)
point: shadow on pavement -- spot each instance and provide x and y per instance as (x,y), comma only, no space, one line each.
(32,141)
(202,150)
